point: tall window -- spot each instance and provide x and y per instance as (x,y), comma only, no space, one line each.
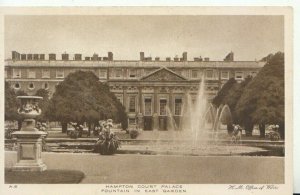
(132,73)
(132,104)
(224,75)
(178,106)
(102,73)
(60,74)
(239,75)
(16,73)
(195,74)
(163,107)
(5,73)
(45,73)
(209,74)
(118,73)
(31,74)
(148,106)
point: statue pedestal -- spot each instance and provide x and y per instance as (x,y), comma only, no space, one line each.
(29,151)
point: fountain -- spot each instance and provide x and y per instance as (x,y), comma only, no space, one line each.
(29,139)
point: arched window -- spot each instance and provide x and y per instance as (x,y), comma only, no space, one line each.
(17,86)
(31,86)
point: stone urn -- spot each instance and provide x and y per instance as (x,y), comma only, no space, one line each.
(29,138)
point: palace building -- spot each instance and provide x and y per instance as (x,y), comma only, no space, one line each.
(146,87)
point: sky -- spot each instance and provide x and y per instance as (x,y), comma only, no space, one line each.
(249,37)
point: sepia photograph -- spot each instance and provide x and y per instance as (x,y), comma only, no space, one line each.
(142,102)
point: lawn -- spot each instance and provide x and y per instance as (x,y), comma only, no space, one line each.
(45,177)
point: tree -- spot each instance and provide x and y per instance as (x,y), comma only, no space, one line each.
(230,94)
(81,97)
(44,103)
(12,104)
(220,97)
(263,99)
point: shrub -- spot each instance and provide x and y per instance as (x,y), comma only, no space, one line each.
(133,134)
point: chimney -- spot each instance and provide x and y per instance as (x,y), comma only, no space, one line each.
(149,59)
(168,59)
(176,59)
(184,56)
(110,56)
(200,59)
(157,59)
(35,56)
(99,58)
(206,59)
(42,56)
(29,56)
(95,57)
(65,56)
(87,58)
(142,56)
(52,56)
(78,57)
(23,56)
(196,59)
(105,58)
(15,55)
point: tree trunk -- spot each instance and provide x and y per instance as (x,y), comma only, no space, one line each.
(249,128)
(19,125)
(64,127)
(281,130)
(262,130)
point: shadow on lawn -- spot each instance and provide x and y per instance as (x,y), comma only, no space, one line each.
(45,177)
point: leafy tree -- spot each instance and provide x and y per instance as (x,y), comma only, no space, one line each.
(219,98)
(12,104)
(230,94)
(263,99)
(81,97)
(44,103)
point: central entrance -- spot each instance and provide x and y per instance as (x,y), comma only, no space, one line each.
(163,119)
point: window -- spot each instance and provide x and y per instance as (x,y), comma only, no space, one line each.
(209,74)
(46,86)
(194,74)
(131,104)
(224,75)
(148,106)
(31,86)
(132,73)
(178,106)
(17,86)
(31,74)
(163,107)
(103,73)
(60,74)
(5,73)
(45,73)
(16,73)
(239,75)
(118,73)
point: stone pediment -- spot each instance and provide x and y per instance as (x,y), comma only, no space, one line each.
(163,74)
